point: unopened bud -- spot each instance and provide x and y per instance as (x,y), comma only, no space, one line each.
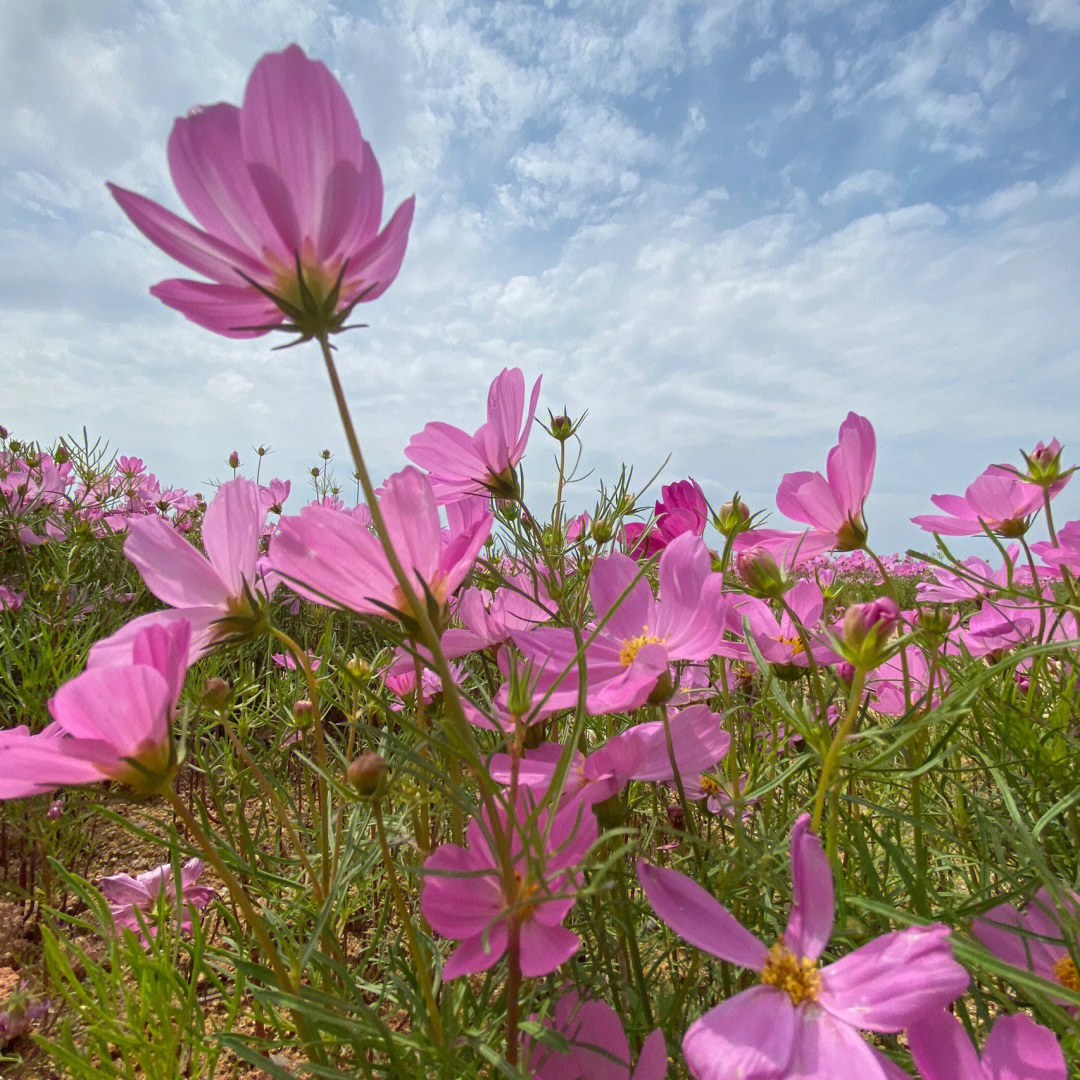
(369,775)
(358,669)
(233,460)
(61,455)
(732,518)
(761,574)
(215,693)
(56,808)
(316,471)
(562,427)
(1044,464)
(326,455)
(935,621)
(867,627)
(602,530)
(303,712)
(262,451)
(3,432)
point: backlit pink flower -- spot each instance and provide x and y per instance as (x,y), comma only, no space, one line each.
(330,557)
(464,895)
(598,1046)
(282,186)
(974,579)
(1067,550)
(130,896)
(214,593)
(112,722)
(802,1020)
(680,509)
(996,499)
(1016,1049)
(460,464)
(833,507)
(641,635)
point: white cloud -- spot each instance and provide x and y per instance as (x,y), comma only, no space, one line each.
(800,58)
(868,182)
(1053,14)
(1007,200)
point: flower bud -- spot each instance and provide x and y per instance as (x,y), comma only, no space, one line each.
(3,432)
(732,518)
(358,669)
(326,455)
(56,809)
(303,713)
(215,693)
(761,574)
(61,455)
(562,427)
(369,775)
(935,621)
(233,460)
(675,816)
(867,627)
(262,451)
(1044,463)
(602,530)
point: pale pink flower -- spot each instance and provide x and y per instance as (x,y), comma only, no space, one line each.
(214,593)
(803,1020)
(272,497)
(833,507)
(598,1046)
(112,722)
(290,197)
(996,500)
(461,465)
(464,894)
(288,661)
(1067,550)
(490,619)
(330,557)
(1016,1049)
(976,580)
(131,896)
(640,636)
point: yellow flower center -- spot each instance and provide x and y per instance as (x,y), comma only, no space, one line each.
(709,785)
(632,646)
(793,642)
(798,977)
(1065,973)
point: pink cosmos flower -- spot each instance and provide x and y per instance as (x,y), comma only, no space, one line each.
(639,753)
(681,509)
(1000,500)
(641,634)
(1067,550)
(887,683)
(1036,938)
(464,896)
(129,896)
(489,619)
(286,660)
(978,579)
(1016,1049)
(11,599)
(801,1022)
(331,558)
(213,593)
(112,722)
(598,1047)
(833,507)
(290,199)
(462,465)
(272,497)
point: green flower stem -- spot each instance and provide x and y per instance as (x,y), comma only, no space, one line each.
(833,755)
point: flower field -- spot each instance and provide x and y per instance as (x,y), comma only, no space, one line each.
(440,781)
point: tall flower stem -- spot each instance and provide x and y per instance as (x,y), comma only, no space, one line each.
(304,663)
(513,989)
(833,754)
(420,965)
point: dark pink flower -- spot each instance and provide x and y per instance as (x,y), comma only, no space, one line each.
(462,465)
(802,1021)
(289,197)
(680,509)
(465,897)
(996,500)
(1016,1049)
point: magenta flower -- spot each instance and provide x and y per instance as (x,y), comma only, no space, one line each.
(681,509)
(465,897)
(112,722)
(489,619)
(332,558)
(290,199)
(129,897)
(598,1047)
(1016,1049)
(639,753)
(1036,938)
(977,579)
(1067,550)
(215,593)
(833,507)
(462,465)
(641,635)
(996,499)
(801,1022)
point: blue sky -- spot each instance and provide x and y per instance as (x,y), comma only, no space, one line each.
(716,225)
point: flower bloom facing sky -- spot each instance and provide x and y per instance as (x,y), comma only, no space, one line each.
(681,509)
(460,465)
(213,592)
(464,896)
(996,499)
(802,1021)
(112,722)
(330,557)
(284,185)
(129,895)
